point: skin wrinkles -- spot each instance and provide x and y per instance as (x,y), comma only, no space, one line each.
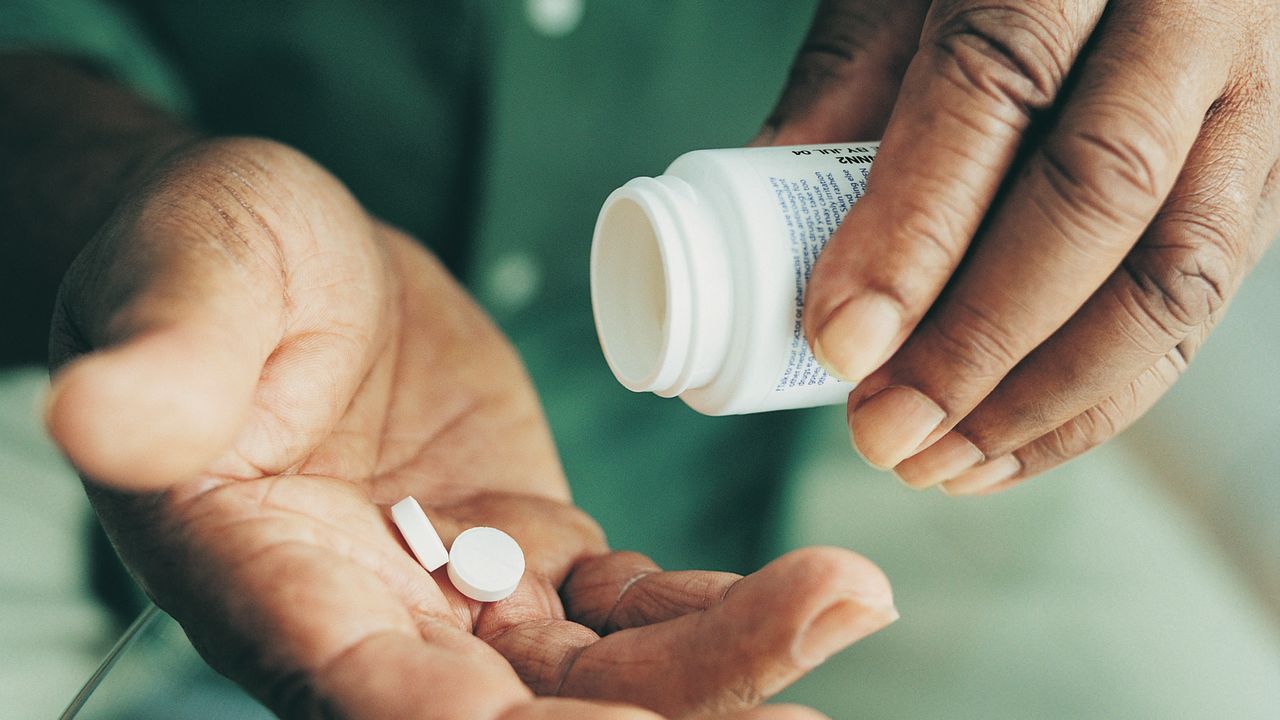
(1081,275)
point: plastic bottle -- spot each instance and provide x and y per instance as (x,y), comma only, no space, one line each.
(698,275)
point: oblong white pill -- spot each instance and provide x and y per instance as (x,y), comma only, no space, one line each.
(485,564)
(417,531)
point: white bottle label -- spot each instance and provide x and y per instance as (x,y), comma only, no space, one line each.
(813,188)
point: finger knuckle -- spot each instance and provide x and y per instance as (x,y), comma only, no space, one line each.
(927,240)
(1057,446)
(642,601)
(1179,284)
(1112,173)
(1111,416)
(1085,431)
(929,230)
(975,339)
(1011,52)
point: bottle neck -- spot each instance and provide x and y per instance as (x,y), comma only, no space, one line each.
(661,288)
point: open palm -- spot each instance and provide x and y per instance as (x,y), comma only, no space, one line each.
(257,370)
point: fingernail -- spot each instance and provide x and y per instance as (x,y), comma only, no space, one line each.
(856,338)
(890,425)
(983,476)
(839,626)
(952,455)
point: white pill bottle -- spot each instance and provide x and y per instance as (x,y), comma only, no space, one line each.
(698,275)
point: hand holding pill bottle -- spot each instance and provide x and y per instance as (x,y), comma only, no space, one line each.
(698,276)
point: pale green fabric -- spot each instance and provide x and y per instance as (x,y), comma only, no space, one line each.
(52,630)
(1093,593)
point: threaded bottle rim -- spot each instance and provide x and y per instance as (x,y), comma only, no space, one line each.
(651,276)
(636,288)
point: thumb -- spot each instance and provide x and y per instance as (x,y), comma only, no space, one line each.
(171,334)
(154,409)
(845,78)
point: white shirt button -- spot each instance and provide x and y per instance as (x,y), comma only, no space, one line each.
(513,281)
(554,18)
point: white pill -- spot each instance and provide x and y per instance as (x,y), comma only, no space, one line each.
(423,539)
(485,564)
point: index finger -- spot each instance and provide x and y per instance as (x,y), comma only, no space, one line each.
(982,71)
(719,642)
(1085,195)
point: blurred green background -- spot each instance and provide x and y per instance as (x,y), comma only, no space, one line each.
(1142,581)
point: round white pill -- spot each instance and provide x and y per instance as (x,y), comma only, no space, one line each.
(485,564)
(418,532)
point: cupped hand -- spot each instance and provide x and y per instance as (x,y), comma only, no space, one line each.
(255,369)
(1066,197)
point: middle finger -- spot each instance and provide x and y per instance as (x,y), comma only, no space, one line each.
(1084,197)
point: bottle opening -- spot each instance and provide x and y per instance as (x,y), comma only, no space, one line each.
(629,293)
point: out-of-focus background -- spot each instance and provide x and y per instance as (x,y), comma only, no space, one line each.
(1141,581)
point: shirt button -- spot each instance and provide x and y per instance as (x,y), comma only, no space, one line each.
(513,281)
(554,18)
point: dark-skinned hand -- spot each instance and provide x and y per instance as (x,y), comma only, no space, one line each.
(255,370)
(1067,195)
